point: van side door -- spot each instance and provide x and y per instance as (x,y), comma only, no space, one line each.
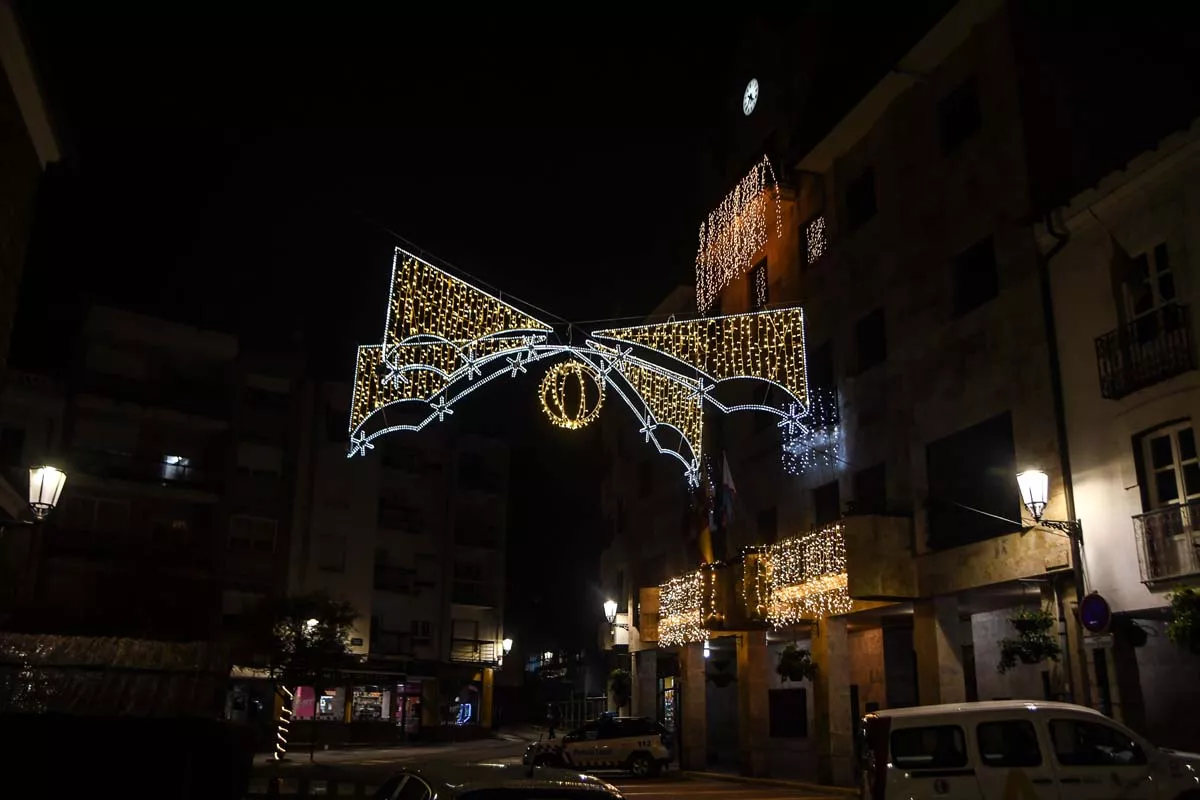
(1096,760)
(1012,761)
(931,761)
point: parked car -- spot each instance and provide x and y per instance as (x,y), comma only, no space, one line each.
(636,744)
(1017,750)
(493,782)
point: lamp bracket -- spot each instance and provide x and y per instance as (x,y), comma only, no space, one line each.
(1071,527)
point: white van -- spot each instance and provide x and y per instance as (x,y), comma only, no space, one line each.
(1017,750)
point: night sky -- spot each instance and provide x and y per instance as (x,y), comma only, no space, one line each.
(252,174)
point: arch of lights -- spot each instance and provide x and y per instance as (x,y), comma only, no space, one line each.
(444,338)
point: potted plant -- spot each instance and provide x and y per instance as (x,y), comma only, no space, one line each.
(719,675)
(1034,643)
(796,664)
(621,684)
(1184,627)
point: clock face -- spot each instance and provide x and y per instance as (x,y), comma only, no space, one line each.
(750,97)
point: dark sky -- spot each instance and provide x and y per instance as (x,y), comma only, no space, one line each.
(243,171)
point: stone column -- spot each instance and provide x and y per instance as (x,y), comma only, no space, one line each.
(831,702)
(753,676)
(645,683)
(937,638)
(693,739)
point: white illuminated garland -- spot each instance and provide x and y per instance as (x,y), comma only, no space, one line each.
(807,577)
(818,441)
(681,610)
(735,231)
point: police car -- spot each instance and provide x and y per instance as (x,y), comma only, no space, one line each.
(636,744)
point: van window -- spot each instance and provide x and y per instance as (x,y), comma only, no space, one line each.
(1012,743)
(933,747)
(1092,744)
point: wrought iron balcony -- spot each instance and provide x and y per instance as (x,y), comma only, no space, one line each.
(1168,542)
(472,651)
(1148,350)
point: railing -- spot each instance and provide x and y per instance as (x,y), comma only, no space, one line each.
(1168,542)
(469,593)
(1146,351)
(166,471)
(472,651)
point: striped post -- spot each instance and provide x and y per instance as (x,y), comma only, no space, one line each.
(285,722)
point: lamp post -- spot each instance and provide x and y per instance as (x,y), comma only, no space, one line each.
(610,614)
(506,646)
(45,487)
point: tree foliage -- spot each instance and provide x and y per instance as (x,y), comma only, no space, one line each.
(309,639)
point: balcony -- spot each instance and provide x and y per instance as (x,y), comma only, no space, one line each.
(397,580)
(1148,350)
(1168,544)
(165,471)
(472,651)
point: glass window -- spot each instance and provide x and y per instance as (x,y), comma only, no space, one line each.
(1008,744)
(932,747)
(1093,744)
(1172,467)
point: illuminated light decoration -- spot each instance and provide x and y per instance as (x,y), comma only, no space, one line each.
(712,615)
(807,577)
(755,583)
(761,288)
(735,231)
(814,239)
(815,440)
(554,393)
(285,721)
(445,338)
(680,609)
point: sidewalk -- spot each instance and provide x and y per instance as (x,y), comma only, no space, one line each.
(514,734)
(807,786)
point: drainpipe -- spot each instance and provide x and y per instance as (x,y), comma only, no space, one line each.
(1064,452)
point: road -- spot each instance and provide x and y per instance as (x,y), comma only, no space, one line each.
(372,766)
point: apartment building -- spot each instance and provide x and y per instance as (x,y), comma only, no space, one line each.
(904,230)
(1124,277)
(415,540)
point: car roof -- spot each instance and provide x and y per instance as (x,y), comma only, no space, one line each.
(982,706)
(461,778)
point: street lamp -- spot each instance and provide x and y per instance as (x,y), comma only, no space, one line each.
(506,646)
(312,623)
(1035,493)
(610,614)
(45,487)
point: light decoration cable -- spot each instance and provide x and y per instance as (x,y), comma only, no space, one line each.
(555,393)
(445,338)
(755,584)
(807,577)
(817,441)
(681,603)
(761,286)
(814,239)
(735,231)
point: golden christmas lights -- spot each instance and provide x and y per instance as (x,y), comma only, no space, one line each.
(735,232)
(680,610)
(555,392)
(807,577)
(814,239)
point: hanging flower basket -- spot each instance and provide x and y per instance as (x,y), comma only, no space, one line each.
(719,676)
(1184,627)
(1034,643)
(621,683)
(796,664)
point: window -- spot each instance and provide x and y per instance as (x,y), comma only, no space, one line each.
(12,446)
(331,552)
(870,490)
(1093,744)
(787,713)
(972,469)
(958,116)
(396,515)
(252,534)
(473,472)
(975,280)
(812,238)
(1152,284)
(768,524)
(860,198)
(827,504)
(420,628)
(404,787)
(820,368)
(933,747)
(95,515)
(1012,743)
(1170,465)
(871,337)
(760,292)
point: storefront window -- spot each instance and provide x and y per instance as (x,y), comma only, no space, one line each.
(408,707)
(370,704)
(331,705)
(666,702)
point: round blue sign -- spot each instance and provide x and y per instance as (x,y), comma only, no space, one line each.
(1095,613)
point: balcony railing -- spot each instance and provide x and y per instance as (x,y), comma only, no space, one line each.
(1148,350)
(1168,542)
(471,651)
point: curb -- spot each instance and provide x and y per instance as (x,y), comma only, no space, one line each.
(810,787)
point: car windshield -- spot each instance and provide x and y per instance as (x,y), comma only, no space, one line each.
(549,793)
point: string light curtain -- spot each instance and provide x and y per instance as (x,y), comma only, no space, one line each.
(807,577)
(681,602)
(817,442)
(735,231)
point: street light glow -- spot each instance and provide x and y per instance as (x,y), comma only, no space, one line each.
(506,645)
(45,486)
(312,623)
(610,611)
(1035,490)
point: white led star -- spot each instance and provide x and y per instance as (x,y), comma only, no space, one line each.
(530,349)
(693,475)
(791,422)
(472,365)
(700,392)
(616,361)
(441,408)
(360,445)
(649,427)
(516,365)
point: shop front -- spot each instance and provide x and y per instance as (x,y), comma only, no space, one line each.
(376,707)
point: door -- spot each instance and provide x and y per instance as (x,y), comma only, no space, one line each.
(1172,466)
(931,761)
(1095,760)
(1012,762)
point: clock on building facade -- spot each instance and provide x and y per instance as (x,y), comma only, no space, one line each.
(750,97)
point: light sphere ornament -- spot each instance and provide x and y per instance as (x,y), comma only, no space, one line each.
(565,396)
(750,97)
